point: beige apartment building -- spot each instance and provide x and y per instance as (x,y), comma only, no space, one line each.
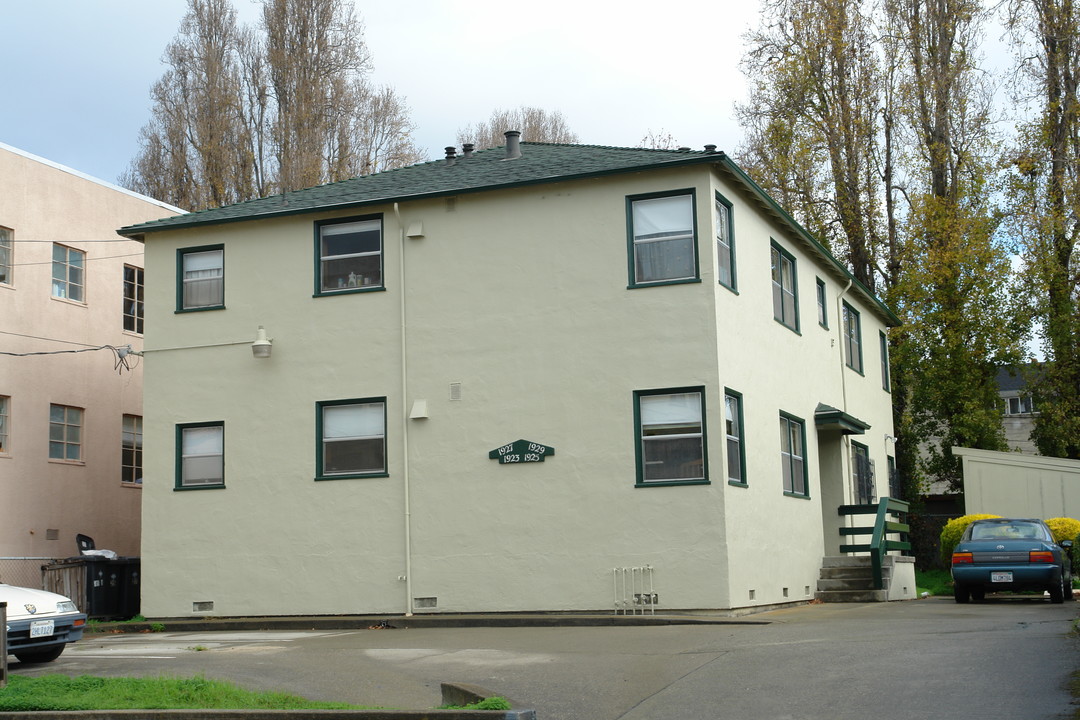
(71,305)
(507,380)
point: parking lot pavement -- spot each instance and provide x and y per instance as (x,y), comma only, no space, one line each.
(1006,658)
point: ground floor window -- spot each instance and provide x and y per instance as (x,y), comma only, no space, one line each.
(670,439)
(65,433)
(351,437)
(200,453)
(793,454)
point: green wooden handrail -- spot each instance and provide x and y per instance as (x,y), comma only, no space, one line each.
(879,544)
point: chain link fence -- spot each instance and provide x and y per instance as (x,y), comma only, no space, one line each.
(23,571)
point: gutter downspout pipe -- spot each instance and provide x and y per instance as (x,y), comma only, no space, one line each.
(405,418)
(845,459)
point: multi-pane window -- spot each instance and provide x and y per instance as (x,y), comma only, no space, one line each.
(200,452)
(202,278)
(862,471)
(662,239)
(133,299)
(350,255)
(5,414)
(883,344)
(785,307)
(65,433)
(793,454)
(351,438)
(131,450)
(725,243)
(7,256)
(670,435)
(733,421)
(1021,405)
(852,338)
(822,312)
(68,273)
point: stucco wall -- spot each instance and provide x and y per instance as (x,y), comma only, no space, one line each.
(44,204)
(1020,485)
(520,297)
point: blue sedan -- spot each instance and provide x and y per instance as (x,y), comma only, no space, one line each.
(1010,554)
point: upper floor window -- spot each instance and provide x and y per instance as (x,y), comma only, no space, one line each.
(1021,405)
(65,433)
(350,255)
(793,454)
(131,450)
(662,233)
(725,243)
(7,256)
(733,418)
(200,452)
(670,443)
(201,273)
(133,299)
(68,268)
(886,379)
(351,438)
(853,338)
(784,283)
(5,414)
(822,311)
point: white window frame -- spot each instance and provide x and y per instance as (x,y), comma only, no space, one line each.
(5,424)
(7,256)
(131,442)
(134,294)
(69,273)
(65,433)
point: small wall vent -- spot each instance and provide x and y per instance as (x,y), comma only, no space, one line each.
(204,606)
(455,391)
(425,602)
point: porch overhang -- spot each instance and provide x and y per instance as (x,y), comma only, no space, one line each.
(827,417)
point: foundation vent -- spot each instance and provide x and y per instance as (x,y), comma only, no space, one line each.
(425,602)
(203,606)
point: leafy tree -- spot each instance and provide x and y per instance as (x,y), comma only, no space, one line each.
(535,124)
(1044,186)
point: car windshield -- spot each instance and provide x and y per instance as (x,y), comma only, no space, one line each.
(1006,531)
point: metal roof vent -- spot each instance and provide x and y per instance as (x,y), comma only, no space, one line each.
(467,150)
(450,153)
(710,148)
(513,144)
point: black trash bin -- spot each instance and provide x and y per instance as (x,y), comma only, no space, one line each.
(103,588)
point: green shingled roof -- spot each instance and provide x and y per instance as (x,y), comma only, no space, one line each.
(485,170)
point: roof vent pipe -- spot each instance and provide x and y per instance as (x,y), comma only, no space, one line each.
(710,148)
(450,152)
(513,144)
(467,150)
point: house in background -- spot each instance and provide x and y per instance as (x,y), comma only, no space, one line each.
(1019,409)
(509,380)
(70,415)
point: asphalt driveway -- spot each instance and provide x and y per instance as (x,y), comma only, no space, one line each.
(1006,658)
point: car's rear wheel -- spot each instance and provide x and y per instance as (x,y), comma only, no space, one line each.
(1066,588)
(978,594)
(39,656)
(962,593)
(1057,594)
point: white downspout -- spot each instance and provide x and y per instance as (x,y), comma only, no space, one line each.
(405,418)
(845,454)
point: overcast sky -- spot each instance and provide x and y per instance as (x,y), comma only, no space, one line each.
(75,75)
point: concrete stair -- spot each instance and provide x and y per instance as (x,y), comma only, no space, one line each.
(850,578)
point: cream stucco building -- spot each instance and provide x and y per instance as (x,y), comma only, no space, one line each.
(70,414)
(504,381)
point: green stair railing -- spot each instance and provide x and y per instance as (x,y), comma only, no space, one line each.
(879,544)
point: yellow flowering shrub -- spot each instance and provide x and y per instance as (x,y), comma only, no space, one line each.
(1064,528)
(953,530)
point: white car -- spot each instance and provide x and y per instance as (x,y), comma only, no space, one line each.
(39,623)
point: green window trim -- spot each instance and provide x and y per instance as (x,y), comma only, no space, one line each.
(363,268)
(726,273)
(793,458)
(634,243)
(886,370)
(183,292)
(186,458)
(823,305)
(371,427)
(738,439)
(690,418)
(852,329)
(785,284)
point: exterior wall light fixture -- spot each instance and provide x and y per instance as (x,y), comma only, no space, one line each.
(263,345)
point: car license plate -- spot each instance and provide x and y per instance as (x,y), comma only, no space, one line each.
(41,628)
(1001,577)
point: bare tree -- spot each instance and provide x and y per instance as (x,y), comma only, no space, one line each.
(535,124)
(661,140)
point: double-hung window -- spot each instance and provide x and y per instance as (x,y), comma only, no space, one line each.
(822,312)
(68,268)
(350,254)
(131,450)
(853,339)
(662,236)
(65,433)
(733,419)
(5,415)
(793,455)
(784,284)
(200,455)
(862,471)
(201,273)
(670,443)
(7,256)
(725,243)
(351,438)
(886,374)
(133,299)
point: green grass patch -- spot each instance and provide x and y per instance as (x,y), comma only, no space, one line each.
(60,692)
(491,703)
(935,582)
